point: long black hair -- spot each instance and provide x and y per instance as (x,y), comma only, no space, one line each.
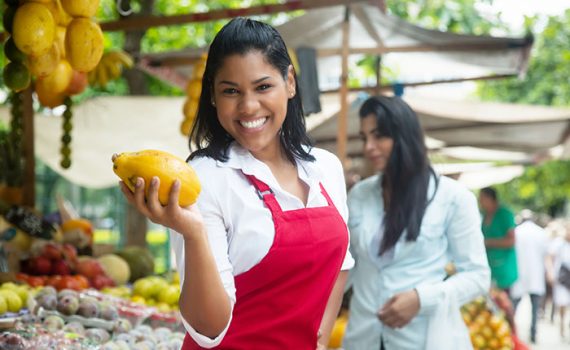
(408,171)
(239,37)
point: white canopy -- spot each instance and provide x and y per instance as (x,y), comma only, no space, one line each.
(415,53)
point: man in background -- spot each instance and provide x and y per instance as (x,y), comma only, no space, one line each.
(531,246)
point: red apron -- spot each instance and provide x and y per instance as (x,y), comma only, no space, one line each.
(280,302)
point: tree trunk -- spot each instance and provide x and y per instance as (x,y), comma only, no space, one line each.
(136,223)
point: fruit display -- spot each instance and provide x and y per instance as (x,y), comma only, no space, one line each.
(193,91)
(338,330)
(140,261)
(167,167)
(488,327)
(110,67)
(13,298)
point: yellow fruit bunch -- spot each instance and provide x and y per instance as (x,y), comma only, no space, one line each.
(193,91)
(157,292)
(13,297)
(56,41)
(488,328)
(110,67)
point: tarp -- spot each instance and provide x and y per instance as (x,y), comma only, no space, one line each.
(519,131)
(415,53)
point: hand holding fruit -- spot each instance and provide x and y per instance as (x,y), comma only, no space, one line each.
(400,309)
(185,220)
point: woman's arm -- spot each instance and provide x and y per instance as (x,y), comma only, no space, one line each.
(473,277)
(332,309)
(204,302)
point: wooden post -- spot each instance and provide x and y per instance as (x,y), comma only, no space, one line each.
(343,115)
(378,69)
(28,149)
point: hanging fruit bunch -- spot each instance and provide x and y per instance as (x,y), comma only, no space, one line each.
(193,91)
(110,67)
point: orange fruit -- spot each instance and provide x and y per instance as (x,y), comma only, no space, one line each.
(33,29)
(190,109)
(16,76)
(47,97)
(78,83)
(80,8)
(43,65)
(83,44)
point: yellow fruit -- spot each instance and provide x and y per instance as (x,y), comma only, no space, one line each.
(190,109)
(198,71)
(169,295)
(58,80)
(138,299)
(9,286)
(337,333)
(163,307)
(45,64)
(143,288)
(194,89)
(33,29)
(186,127)
(23,293)
(116,268)
(16,76)
(3,305)
(167,167)
(60,39)
(47,97)
(80,8)
(83,44)
(12,299)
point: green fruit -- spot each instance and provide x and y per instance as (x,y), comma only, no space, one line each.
(12,52)
(66,138)
(65,163)
(8,18)
(65,151)
(16,76)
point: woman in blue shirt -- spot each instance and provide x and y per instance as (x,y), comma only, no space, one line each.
(406,224)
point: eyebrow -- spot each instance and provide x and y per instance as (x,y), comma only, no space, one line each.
(235,84)
(375,130)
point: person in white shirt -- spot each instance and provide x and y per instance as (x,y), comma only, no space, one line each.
(557,260)
(531,245)
(406,224)
(260,255)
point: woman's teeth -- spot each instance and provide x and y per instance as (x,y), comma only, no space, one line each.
(253,124)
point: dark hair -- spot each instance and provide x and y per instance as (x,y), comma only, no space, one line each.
(239,37)
(407,173)
(489,192)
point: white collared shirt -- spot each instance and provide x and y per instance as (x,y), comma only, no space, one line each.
(240,228)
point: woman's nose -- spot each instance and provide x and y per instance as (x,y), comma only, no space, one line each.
(249,104)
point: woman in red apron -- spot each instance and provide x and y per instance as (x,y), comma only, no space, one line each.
(261,254)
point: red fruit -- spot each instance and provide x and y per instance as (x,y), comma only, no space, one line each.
(70,254)
(61,267)
(82,281)
(77,84)
(35,281)
(89,268)
(101,281)
(40,265)
(52,251)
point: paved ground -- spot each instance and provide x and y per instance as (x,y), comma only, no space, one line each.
(548,334)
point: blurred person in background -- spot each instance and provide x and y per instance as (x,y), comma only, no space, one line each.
(558,273)
(498,228)
(406,223)
(531,245)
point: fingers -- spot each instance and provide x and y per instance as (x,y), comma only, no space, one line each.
(152,197)
(174,194)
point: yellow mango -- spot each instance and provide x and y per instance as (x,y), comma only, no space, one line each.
(167,167)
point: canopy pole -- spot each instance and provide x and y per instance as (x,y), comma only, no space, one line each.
(343,115)
(29,181)
(378,69)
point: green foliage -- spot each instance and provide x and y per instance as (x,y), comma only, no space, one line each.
(544,188)
(546,82)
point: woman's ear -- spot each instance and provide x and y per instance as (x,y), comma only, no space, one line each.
(291,87)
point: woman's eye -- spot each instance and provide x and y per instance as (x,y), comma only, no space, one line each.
(263,87)
(230,91)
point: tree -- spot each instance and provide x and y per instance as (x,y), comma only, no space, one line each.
(544,188)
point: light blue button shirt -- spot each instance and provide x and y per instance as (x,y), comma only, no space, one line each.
(450,231)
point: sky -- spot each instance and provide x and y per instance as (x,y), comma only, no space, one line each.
(513,11)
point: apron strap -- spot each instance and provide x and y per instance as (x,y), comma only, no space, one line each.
(329,200)
(265,193)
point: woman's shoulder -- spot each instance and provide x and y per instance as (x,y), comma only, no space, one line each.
(453,190)
(324,158)
(366,186)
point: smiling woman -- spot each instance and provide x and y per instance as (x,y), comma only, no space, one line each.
(262,255)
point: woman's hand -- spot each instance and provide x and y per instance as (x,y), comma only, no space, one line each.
(185,220)
(400,309)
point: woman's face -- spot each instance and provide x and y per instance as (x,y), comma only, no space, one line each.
(377,148)
(487,203)
(251,97)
